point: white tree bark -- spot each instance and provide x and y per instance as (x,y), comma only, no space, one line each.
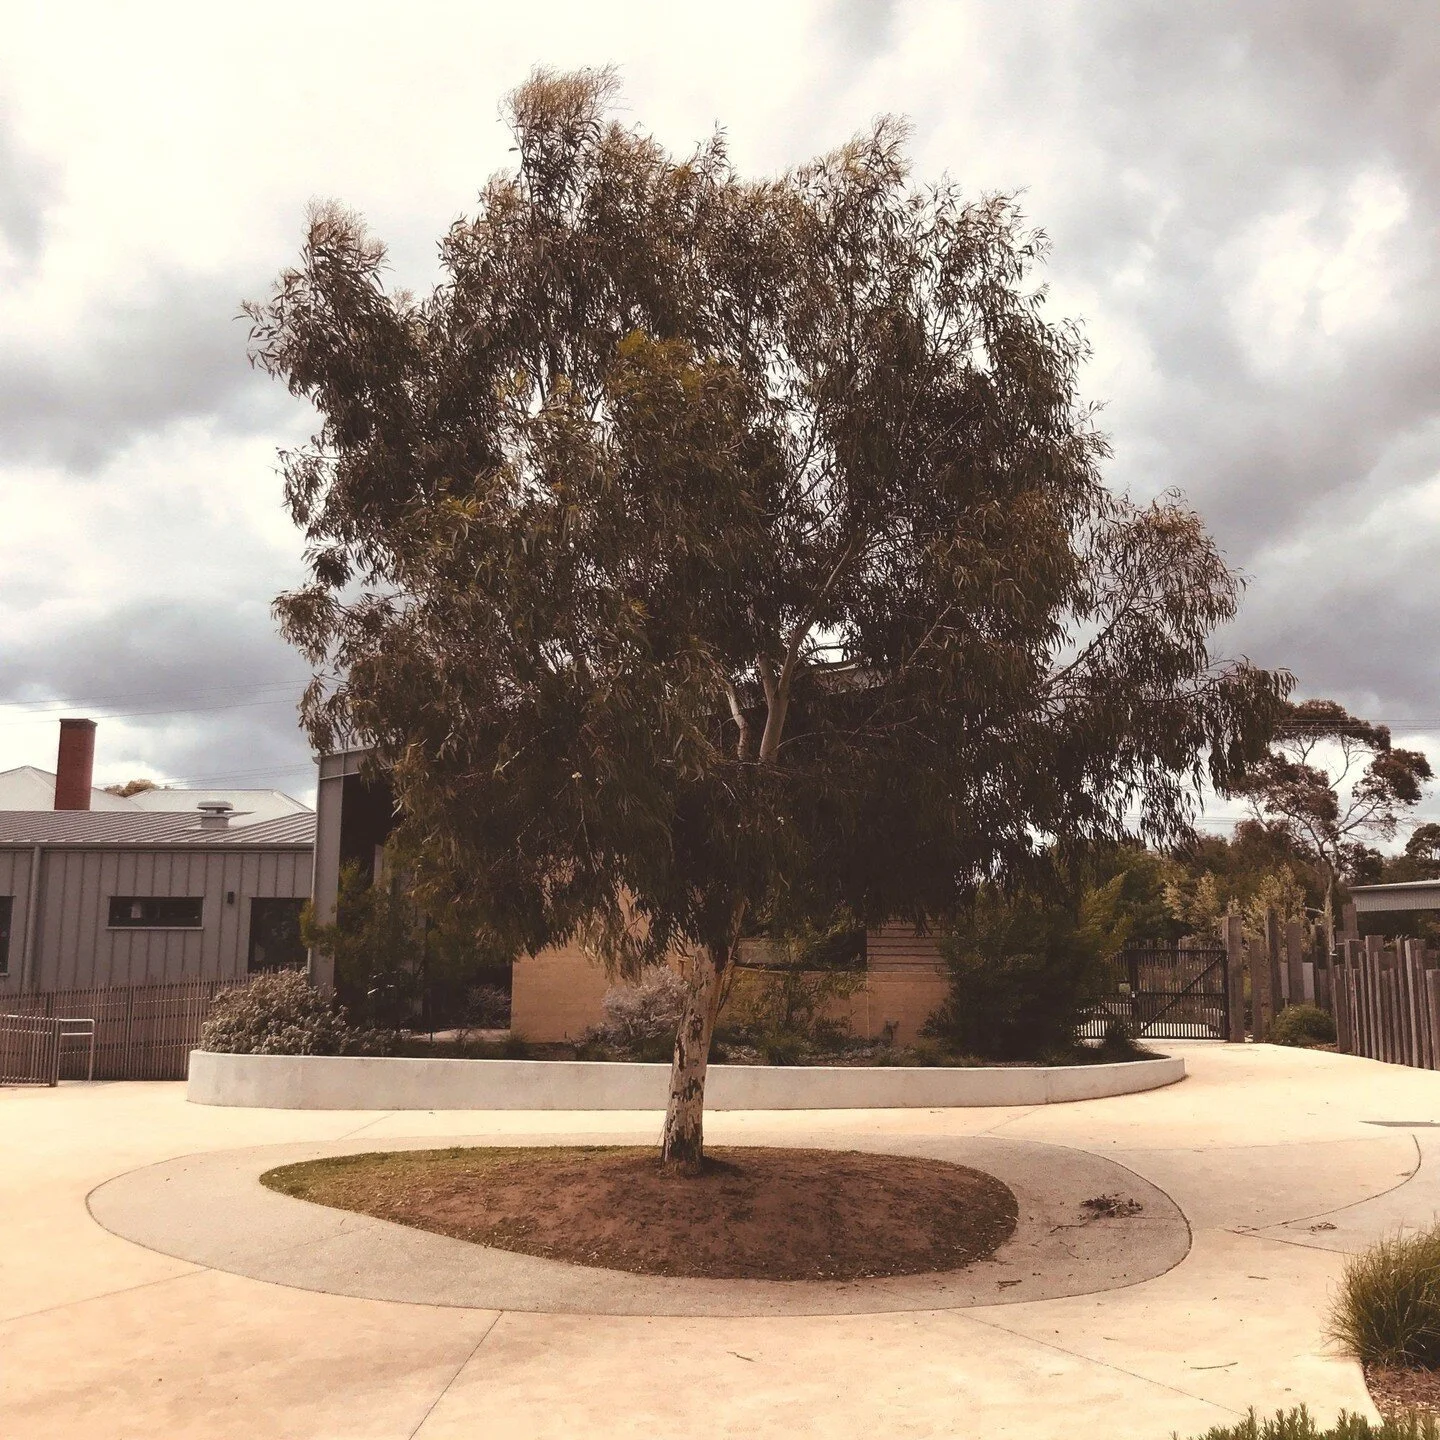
(683,1143)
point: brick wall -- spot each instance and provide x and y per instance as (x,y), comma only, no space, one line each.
(556,994)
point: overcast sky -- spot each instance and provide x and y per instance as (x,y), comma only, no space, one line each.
(1242,198)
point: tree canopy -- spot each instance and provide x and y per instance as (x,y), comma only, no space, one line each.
(704,553)
(1334,784)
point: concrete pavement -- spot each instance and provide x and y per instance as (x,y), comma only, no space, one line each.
(102,1338)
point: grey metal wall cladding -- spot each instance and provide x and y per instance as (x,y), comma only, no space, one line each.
(1385,898)
(15,882)
(77,948)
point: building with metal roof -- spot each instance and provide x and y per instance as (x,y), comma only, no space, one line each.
(193,888)
(29,788)
(1408,897)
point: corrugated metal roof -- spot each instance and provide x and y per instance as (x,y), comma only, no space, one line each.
(27,788)
(151,829)
(251,806)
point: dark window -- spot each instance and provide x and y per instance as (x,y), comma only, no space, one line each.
(156,912)
(275,942)
(7,904)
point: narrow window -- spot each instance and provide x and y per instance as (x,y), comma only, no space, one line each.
(275,942)
(156,912)
(7,904)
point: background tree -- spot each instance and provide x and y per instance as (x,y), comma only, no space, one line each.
(398,963)
(705,553)
(1335,784)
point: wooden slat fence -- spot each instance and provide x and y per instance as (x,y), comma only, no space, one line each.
(1385,997)
(142,1032)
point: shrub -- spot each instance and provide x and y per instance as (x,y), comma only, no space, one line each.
(1302,1025)
(788,1001)
(782,1049)
(1298,1425)
(1021,976)
(647,1011)
(487,1007)
(1387,1311)
(280,1014)
(1119,1044)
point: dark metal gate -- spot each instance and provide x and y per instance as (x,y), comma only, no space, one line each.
(1168,992)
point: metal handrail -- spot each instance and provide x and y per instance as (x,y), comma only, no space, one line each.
(84,1025)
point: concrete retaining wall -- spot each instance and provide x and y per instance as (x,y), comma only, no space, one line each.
(324,1082)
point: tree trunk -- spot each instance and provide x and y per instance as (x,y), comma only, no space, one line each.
(683,1144)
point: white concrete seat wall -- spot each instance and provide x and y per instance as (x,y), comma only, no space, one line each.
(325,1082)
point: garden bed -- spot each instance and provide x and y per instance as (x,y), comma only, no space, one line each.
(751,1214)
(1401,1392)
(923,1054)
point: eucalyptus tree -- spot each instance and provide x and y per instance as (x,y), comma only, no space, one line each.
(1335,783)
(703,553)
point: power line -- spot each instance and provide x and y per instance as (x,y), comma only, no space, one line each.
(60,703)
(181,710)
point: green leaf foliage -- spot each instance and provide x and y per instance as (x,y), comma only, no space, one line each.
(280,1014)
(704,551)
(1302,1025)
(1332,782)
(1022,971)
(391,957)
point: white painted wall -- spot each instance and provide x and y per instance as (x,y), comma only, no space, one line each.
(326,1082)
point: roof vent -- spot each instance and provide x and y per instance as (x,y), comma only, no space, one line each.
(215,814)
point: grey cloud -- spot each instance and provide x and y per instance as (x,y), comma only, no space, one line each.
(26,186)
(173,351)
(1169,136)
(1229,113)
(206,685)
(865,27)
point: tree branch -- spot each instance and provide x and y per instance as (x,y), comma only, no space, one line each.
(742,744)
(777,691)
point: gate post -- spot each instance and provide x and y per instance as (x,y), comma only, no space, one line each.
(1234,980)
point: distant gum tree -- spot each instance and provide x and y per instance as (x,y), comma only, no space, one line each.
(704,554)
(1335,784)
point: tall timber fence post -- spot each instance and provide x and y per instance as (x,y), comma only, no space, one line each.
(1415,1004)
(1322,967)
(1295,961)
(1339,981)
(1263,979)
(1234,980)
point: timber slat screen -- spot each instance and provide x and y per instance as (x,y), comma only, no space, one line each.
(29,1050)
(1385,999)
(1167,992)
(142,1032)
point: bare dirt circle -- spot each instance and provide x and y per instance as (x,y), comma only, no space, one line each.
(753,1213)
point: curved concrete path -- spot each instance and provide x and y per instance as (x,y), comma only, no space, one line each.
(212,1210)
(1259,1147)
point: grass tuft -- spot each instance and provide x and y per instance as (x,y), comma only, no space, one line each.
(1299,1425)
(1388,1309)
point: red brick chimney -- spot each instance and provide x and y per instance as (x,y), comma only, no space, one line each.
(75,765)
